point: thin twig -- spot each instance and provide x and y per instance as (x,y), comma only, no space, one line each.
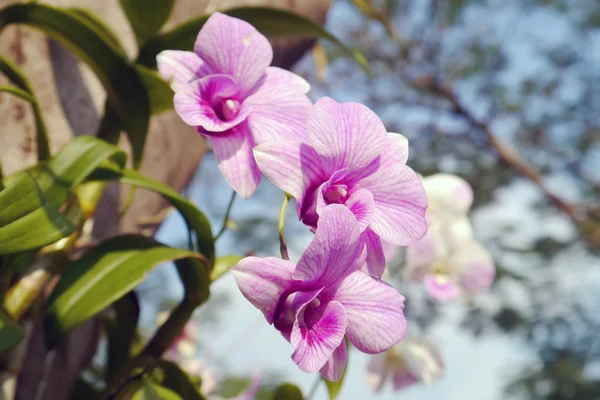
(506,152)
(281,227)
(226,219)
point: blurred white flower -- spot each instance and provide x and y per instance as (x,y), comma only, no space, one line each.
(449,261)
(413,360)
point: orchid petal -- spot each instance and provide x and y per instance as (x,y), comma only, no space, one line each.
(280,107)
(334,368)
(423,359)
(263,281)
(375,263)
(457,232)
(336,177)
(449,192)
(362,206)
(475,267)
(315,344)
(396,151)
(233,151)
(234,47)
(345,135)
(291,166)
(400,204)
(336,250)
(179,68)
(196,103)
(375,313)
(440,287)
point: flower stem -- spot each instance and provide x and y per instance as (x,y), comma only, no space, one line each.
(226,219)
(281,227)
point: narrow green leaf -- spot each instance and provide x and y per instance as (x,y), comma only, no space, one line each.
(153,391)
(58,177)
(101,27)
(194,218)
(147,19)
(159,91)
(222,265)
(27,220)
(177,380)
(102,276)
(11,333)
(125,90)
(271,22)
(18,92)
(288,391)
(14,74)
(120,332)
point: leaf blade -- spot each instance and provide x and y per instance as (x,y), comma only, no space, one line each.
(102,276)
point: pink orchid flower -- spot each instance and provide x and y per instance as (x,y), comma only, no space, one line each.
(449,261)
(324,297)
(350,159)
(227,90)
(412,361)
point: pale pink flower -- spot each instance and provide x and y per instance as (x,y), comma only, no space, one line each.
(449,261)
(412,361)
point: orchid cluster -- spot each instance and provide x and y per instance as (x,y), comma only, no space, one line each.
(348,175)
(449,260)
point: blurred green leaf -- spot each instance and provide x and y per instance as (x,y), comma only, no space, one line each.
(14,74)
(222,265)
(194,218)
(153,391)
(27,220)
(120,332)
(176,379)
(11,333)
(125,90)
(159,91)
(271,22)
(146,19)
(102,276)
(17,92)
(95,21)
(287,391)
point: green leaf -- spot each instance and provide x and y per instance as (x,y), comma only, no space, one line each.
(43,189)
(125,90)
(18,92)
(145,19)
(95,21)
(271,22)
(176,379)
(120,332)
(194,218)
(11,333)
(14,74)
(159,91)
(27,220)
(102,276)
(222,265)
(288,391)
(153,391)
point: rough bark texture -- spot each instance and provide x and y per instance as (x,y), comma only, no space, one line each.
(71,100)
